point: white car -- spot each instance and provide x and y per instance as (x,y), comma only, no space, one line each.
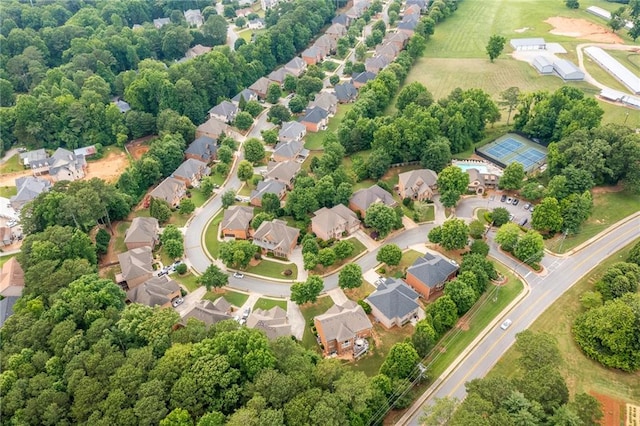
(506,324)
(177,302)
(238,275)
(12,223)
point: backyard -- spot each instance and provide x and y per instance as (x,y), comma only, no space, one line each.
(408,257)
(12,165)
(308,312)
(189,280)
(313,141)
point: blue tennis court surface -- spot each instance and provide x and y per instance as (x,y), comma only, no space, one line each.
(506,151)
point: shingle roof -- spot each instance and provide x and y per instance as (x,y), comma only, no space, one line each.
(142,230)
(432,269)
(291,130)
(288,149)
(272,322)
(275,234)
(167,189)
(418,181)
(312,52)
(203,146)
(343,322)
(296,64)
(247,94)
(279,75)
(224,108)
(136,262)
(341,19)
(155,291)
(336,217)
(208,312)
(315,115)
(214,127)
(6,308)
(363,77)
(363,198)
(345,91)
(284,171)
(29,188)
(267,187)
(237,217)
(324,100)
(394,299)
(12,275)
(261,85)
(190,168)
(377,62)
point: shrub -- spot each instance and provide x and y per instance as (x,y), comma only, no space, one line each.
(365,306)
(288,272)
(181,269)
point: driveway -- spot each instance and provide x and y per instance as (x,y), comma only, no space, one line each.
(338,296)
(467,206)
(296,320)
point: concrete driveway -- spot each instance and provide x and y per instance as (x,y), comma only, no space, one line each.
(296,320)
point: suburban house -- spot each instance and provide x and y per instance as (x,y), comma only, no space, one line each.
(336,31)
(334,222)
(256,24)
(278,76)
(341,19)
(276,237)
(203,149)
(156,291)
(312,55)
(196,51)
(315,119)
(376,64)
(171,190)
(191,171)
(247,94)
(268,4)
(326,44)
(388,50)
(143,232)
(360,79)
(327,101)
(290,151)
(122,106)
(345,92)
(429,273)
(161,22)
(343,329)
(62,165)
(363,198)
(412,9)
(291,131)
(272,322)
(422,4)
(194,17)
(418,185)
(136,266)
(296,66)
(11,279)
(212,129)
(407,26)
(244,12)
(480,182)
(30,158)
(225,111)
(236,222)
(393,303)
(399,39)
(28,187)
(261,86)
(208,312)
(284,171)
(6,308)
(6,235)
(279,189)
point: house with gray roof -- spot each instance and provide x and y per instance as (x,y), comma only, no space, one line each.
(327,101)
(312,55)
(399,39)
(276,237)
(480,182)
(33,157)
(256,24)
(171,190)
(213,129)
(269,186)
(273,322)
(334,222)
(388,50)
(429,273)
(343,328)
(315,119)
(376,64)
(336,31)
(236,222)
(247,94)
(261,86)
(122,106)
(296,66)
(203,149)
(291,131)
(284,171)
(143,232)
(326,44)
(6,308)
(156,291)
(360,79)
(225,111)
(136,267)
(28,187)
(341,19)
(278,76)
(393,303)
(345,92)
(363,198)
(407,25)
(290,151)
(161,22)
(208,312)
(268,4)
(194,17)
(196,51)
(423,4)
(418,185)
(412,9)
(62,165)
(191,171)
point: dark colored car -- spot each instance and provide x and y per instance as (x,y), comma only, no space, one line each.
(503,198)
(515,201)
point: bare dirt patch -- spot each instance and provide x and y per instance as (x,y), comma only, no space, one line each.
(581,28)
(138,147)
(463,324)
(9,179)
(606,189)
(611,408)
(109,168)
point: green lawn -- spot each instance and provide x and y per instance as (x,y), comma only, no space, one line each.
(211,242)
(329,66)
(581,373)
(379,347)
(358,248)
(480,215)
(121,229)
(408,257)
(313,141)
(12,165)
(267,268)
(421,212)
(235,298)
(5,259)
(188,280)
(198,197)
(628,59)
(266,304)
(8,191)
(608,208)
(308,312)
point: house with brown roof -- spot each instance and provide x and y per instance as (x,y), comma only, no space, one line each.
(276,237)
(326,44)
(194,17)
(296,66)
(413,9)
(212,129)
(336,31)
(269,186)
(336,222)
(196,51)
(399,39)
(376,64)
(171,190)
(480,182)
(191,171)
(388,50)
(236,222)
(261,86)
(312,55)
(327,101)
(418,185)
(394,303)
(136,266)
(11,279)
(246,94)
(143,232)
(315,119)
(204,149)
(208,312)
(429,273)
(290,151)
(363,198)
(272,322)
(284,171)
(341,328)
(278,76)
(156,291)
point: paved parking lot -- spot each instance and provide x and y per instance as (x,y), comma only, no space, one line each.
(467,206)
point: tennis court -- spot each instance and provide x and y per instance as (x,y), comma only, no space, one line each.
(511,148)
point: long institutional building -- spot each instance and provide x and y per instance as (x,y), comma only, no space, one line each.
(615,68)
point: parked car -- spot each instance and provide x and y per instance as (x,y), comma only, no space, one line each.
(509,200)
(526,206)
(511,217)
(506,324)
(174,265)
(523,222)
(238,275)
(515,201)
(503,198)
(531,209)
(246,313)
(177,302)
(12,223)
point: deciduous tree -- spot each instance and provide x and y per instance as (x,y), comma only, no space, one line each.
(507,236)
(245,171)
(238,253)
(455,234)
(400,362)
(228,198)
(254,150)
(350,276)
(380,217)
(307,291)
(243,120)
(462,294)
(389,254)
(547,216)
(512,177)
(530,248)
(213,277)
(495,46)
(452,183)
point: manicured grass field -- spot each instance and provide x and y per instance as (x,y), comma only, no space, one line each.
(313,141)
(308,312)
(188,280)
(211,242)
(379,348)
(267,268)
(266,304)
(12,165)
(608,208)
(197,196)
(581,373)
(233,297)
(601,75)
(8,191)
